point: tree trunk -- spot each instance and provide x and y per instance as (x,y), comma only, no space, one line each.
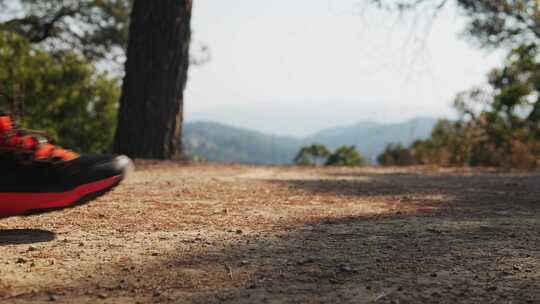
(151,106)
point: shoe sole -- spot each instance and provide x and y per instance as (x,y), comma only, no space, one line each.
(26,204)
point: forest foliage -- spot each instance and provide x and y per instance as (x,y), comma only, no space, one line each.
(499,125)
(63,94)
(50,52)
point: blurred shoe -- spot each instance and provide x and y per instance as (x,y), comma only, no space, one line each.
(37,177)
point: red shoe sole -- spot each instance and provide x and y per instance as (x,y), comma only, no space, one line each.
(13,204)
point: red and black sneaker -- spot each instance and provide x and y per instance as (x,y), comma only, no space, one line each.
(37,177)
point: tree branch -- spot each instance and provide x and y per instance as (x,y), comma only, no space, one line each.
(35,28)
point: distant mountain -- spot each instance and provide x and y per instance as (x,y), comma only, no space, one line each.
(336,133)
(371,138)
(310,115)
(222,143)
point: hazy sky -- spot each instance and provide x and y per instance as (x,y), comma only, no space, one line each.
(329,58)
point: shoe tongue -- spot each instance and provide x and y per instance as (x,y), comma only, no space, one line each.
(6,124)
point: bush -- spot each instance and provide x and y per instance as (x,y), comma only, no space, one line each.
(312,155)
(396,155)
(345,156)
(318,155)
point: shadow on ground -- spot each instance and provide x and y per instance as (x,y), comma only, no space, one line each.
(478,242)
(469,194)
(25,236)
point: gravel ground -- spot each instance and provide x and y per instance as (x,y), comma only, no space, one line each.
(252,234)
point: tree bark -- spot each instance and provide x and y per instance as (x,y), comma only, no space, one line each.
(151,106)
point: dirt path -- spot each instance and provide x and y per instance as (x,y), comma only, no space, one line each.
(241,234)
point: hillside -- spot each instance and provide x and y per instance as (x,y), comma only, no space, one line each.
(222,143)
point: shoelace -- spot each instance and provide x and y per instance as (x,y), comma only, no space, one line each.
(29,145)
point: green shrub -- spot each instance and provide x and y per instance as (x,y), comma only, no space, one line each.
(345,156)
(312,155)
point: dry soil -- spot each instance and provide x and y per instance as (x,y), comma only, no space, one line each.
(246,234)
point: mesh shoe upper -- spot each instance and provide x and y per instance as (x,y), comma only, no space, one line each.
(29,164)
(28,146)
